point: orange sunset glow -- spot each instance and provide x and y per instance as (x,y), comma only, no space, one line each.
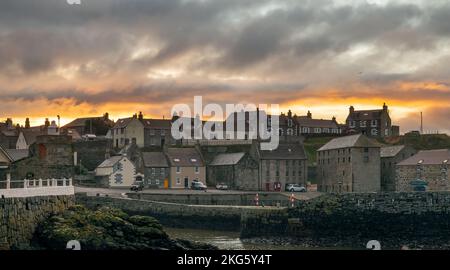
(123,57)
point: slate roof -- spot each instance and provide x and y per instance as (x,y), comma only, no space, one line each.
(227,159)
(365,114)
(123,123)
(16,154)
(157,123)
(81,122)
(358,140)
(391,151)
(110,162)
(305,121)
(154,159)
(184,157)
(31,135)
(285,151)
(428,157)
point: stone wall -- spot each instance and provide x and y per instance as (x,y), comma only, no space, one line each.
(19,217)
(197,216)
(436,176)
(374,215)
(202,198)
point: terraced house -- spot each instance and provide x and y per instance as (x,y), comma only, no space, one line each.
(186,165)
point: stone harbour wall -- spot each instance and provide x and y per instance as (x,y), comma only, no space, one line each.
(19,217)
(247,219)
(373,215)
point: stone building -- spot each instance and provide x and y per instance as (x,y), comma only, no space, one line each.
(156,170)
(390,156)
(8,138)
(309,126)
(49,157)
(239,171)
(117,171)
(349,164)
(372,123)
(431,166)
(91,125)
(285,165)
(186,165)
(128,131)
(157,132)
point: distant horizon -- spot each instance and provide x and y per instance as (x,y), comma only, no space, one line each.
(146,55)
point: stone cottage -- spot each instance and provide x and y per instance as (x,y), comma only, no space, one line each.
(239,171)
(51,156)
(431,166)
(156,170)
(349,164)
(390,156)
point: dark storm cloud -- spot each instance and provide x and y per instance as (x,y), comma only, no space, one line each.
(280,43)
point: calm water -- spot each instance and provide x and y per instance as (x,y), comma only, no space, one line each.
(225,240)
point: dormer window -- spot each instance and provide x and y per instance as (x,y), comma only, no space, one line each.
(176,160)
(193,160)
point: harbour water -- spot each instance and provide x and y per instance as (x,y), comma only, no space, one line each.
(227,240)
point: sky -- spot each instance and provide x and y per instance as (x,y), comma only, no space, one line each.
(125,56)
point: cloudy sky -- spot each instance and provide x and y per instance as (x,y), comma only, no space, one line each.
(123,56)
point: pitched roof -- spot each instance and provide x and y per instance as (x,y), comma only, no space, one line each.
(124,122)
(154,159)
(428,157)
(30,135)
(358,140)
(365,114)
(157,123)
(285,151)
(184,157)
(3,150)
(10,133)
(81,122)
(391,151)
(227,159)
(110,162)
(16,154)
(319,123)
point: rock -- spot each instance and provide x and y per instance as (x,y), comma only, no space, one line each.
(107,229)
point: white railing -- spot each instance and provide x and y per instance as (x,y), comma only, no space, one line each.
(36,187)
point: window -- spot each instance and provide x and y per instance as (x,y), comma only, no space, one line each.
(197,170)
(178,181)
(374,132)
(178,169)
(352,124)
(153,171)
(290,132)
(317,130)
(374,123)
(152,132)
(290,122)
(157,181)
(326,130)
(363,124)
(163,171)
(176,160)
(193,160)
(305,130)
(386,132)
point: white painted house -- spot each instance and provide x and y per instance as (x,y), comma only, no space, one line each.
(118,171)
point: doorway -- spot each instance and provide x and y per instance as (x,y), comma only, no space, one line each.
(186,183)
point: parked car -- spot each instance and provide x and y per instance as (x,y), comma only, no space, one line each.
(295,188)
(137,187)
(222,186)
(197,185)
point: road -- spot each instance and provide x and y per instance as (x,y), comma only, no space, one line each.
(118,192)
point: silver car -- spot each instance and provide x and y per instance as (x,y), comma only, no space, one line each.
(295,188)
